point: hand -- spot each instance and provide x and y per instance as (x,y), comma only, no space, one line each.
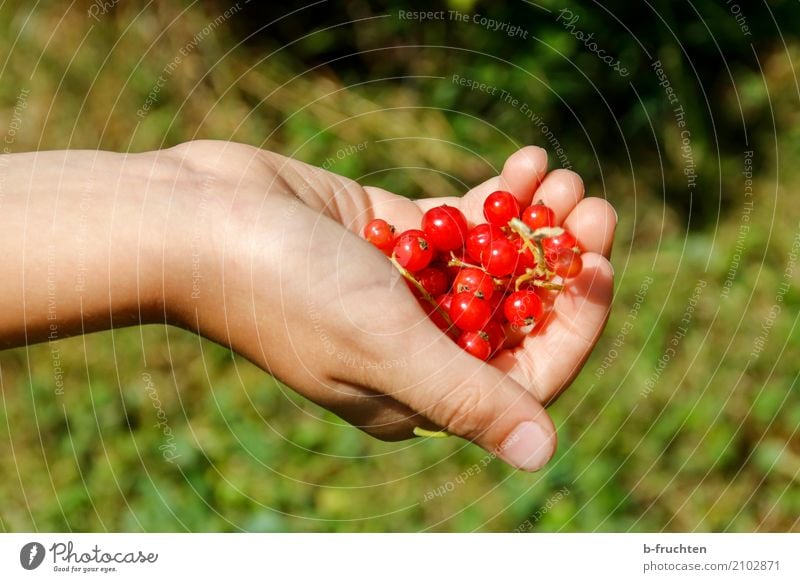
(283,278)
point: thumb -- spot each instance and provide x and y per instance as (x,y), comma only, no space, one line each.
(443,383)
(469,398)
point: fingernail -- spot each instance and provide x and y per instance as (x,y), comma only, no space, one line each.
(528,447)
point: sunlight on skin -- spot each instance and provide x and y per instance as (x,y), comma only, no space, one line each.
(550,358)
(271,243)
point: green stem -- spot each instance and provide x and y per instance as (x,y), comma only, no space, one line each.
(421,432)
(548,285)
(456,262)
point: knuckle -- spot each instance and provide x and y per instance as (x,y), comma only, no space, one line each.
(462,412)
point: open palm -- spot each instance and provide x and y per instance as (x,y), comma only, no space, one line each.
(548,359)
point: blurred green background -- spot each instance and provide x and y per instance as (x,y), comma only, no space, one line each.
(702,438)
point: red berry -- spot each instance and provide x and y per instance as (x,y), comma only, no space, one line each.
(480,237)
(445,301)
(380,233)
(497,336)
(433,280)
(500,258)
(523,308)
(500,207)
(562,241)
(468,312)
(538,216)
(566,263)
(413,250)
(470,280)
(453,271)
(446,227)
(496,306)
(475,343)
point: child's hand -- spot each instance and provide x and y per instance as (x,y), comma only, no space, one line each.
(281,276)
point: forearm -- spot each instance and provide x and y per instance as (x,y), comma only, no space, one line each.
(82,241)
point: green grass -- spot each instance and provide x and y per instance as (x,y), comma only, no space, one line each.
(714,446)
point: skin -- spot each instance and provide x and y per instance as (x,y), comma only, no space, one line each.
(262,254)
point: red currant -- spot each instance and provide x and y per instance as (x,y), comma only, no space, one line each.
(468,312)
(566,263)
(564,240)
(497,337)
(523,308)
(433,280)
(538,216)
(413,250)
(475,343)
(446,227)
(496,306)
(500,207)
(500,258)
(470,280)
(381,234)
(480,237)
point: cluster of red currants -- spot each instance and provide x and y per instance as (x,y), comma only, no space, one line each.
(486,286)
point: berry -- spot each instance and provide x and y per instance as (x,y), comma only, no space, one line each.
(566,263)
(500,258)
(413,250)
(446,227)
(381,234)
(496,307)
(500,207)
(523,308)
(445,301)
(497,337)
(468,312)
(479,238)
(480,307)
(475,343)
(470,280)
(562,241)
(433,280)
(538,216)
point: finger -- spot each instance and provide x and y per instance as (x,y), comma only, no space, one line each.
(466,397)
(436,378)
(522,174)
(476,401)
(561,190)
(593,222)
(549,359)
